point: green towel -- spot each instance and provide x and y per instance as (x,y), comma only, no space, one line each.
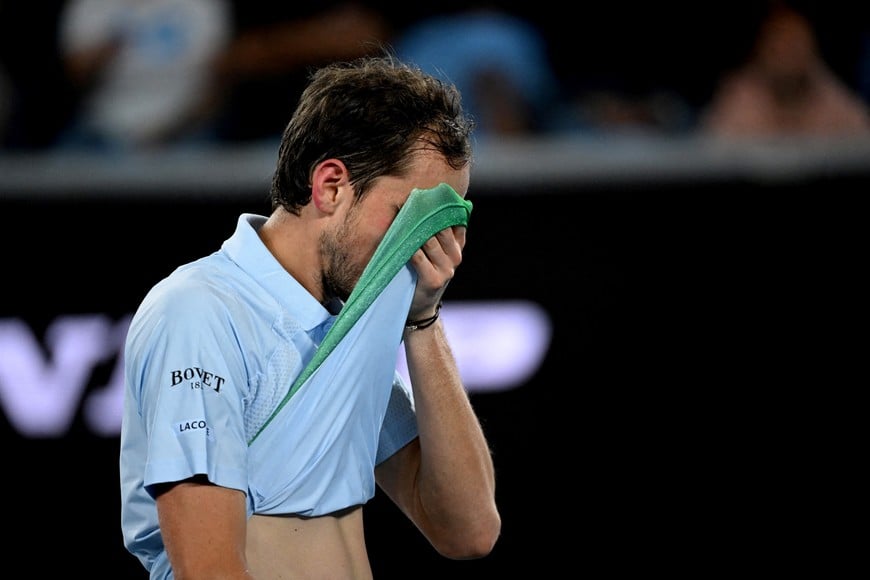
(425,213)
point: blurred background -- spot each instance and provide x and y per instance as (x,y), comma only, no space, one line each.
(665,238)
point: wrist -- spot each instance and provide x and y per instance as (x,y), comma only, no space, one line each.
(422,323)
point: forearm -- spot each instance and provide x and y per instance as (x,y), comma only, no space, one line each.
(456,477)
(203,528)
(294,44)
(84,66)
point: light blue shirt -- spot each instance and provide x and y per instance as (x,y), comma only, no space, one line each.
(211,354)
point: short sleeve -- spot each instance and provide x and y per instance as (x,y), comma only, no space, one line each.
(185,372)
(400,421)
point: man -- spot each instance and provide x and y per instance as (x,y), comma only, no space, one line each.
(142,72)
(785,88)
(227,471)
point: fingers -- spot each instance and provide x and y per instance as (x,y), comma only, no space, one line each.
(436,262)
(442,252)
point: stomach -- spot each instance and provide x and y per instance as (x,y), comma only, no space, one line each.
(290,546)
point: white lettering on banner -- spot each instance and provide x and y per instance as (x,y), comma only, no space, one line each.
(40,391)
(498,345)
(103,407)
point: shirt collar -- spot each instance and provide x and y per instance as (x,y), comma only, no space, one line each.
(247,250)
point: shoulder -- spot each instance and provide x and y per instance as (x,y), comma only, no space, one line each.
(187,320)
(200,293)
(203,284)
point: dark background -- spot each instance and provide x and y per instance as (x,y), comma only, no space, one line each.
(685,317)
(681,414)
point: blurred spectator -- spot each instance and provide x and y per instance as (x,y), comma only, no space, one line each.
(276,45)
(498,61)
(144,70)
(785,87)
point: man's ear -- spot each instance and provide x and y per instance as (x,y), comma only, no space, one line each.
(328,180)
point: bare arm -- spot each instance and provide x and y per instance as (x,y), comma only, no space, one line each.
(83,67)
(203,527)
(340,33)
(444,481)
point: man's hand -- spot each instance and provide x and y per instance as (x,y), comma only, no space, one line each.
(436,262)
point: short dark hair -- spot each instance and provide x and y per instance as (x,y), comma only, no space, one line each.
(371,113)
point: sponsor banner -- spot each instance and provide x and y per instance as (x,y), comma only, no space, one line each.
(46,380)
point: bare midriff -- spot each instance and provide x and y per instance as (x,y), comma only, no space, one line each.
(291,547)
